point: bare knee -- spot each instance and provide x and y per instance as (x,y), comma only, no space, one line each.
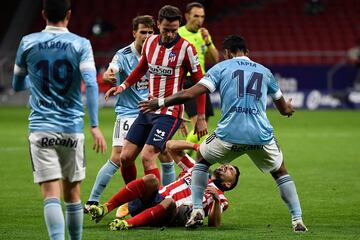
(151,182)
(115,155)
(148,159)
(280,172)
(169,204)
(170,207)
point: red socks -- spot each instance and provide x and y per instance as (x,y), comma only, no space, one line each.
(150,216)
(154,171)
(131,191)
(128,173)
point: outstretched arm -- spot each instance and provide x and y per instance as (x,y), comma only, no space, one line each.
(134,77)
(176,148)
(178,98)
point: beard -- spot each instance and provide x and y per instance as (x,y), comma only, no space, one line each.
(218,181)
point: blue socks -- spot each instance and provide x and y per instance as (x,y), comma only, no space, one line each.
(54,218)
(289,195)
(74,219)
(168,174)
(102,179)
(199,181)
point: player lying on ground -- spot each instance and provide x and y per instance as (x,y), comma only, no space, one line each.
(151,204)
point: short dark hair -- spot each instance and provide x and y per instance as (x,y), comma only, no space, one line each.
(56,10)
(169,13)
(147,20)
(233,43)
(191,5)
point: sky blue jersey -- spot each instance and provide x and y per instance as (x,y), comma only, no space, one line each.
(124,61)
(52,63)
(243,86)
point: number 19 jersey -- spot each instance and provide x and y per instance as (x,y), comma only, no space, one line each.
(243,86)
(55,61)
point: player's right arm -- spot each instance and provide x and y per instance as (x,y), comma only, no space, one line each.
(88,73)
(115,66)
(20,82)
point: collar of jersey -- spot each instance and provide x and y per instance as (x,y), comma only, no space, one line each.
(55,29)
(133,49)
(170,44)
(244,57)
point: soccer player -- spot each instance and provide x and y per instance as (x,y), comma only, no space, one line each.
(126,108)
(195,33)
(243,127)
(150,204)
(52,64)
(168,57)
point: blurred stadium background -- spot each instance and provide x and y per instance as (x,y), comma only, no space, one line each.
(305,43)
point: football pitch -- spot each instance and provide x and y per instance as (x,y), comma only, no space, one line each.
(321,151)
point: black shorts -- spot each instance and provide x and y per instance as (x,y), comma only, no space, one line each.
(153,129)
(190,106)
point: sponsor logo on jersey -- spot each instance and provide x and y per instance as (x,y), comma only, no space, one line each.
(172,56)
(160,70)
(48,142)
(243,148)
(142,84)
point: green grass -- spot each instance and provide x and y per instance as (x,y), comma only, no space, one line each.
(321,150)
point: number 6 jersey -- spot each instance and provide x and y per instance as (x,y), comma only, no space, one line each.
(52,63)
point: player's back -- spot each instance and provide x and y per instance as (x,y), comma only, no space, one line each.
(53,59)
(243,86)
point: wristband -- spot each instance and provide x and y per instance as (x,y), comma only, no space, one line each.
(196,147)
(209,44)
(123,85)
(161,102)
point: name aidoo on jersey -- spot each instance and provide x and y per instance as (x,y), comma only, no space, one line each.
(53,105)
(160,70)
(51,45)
(47,142)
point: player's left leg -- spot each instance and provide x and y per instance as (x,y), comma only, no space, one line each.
(162,130)
(154,216)
(73,171)
(54,217)
(74,213)
(289,195)
(269,158)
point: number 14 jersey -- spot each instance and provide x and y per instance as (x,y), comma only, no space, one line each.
(243,86)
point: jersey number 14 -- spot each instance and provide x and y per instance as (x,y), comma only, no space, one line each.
(253,87)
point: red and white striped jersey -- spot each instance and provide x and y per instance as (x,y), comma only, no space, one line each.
(167,67)
(180,191)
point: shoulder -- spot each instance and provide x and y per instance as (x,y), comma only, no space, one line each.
(124,51)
